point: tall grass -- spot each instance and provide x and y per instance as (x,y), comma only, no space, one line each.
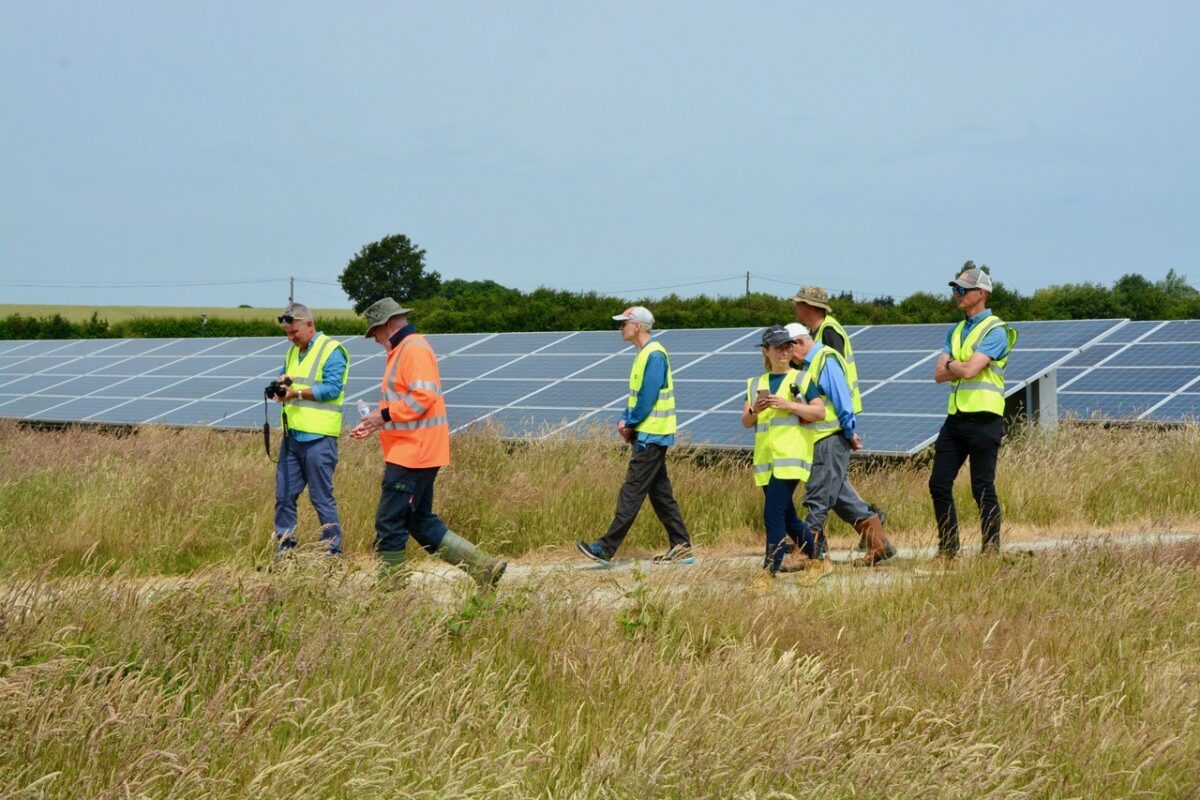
(169,501)
(1060,676)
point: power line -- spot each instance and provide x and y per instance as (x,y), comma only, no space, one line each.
(137,285)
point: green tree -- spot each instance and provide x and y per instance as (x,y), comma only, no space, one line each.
(392,267)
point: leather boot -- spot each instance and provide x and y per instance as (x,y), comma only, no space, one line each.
(794,561)
(483,569)
(871,529)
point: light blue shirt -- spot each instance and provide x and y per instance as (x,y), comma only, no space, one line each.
(328,388)
(653,380)
(994,344)
(832,383)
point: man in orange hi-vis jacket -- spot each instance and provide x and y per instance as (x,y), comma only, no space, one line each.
(415,433)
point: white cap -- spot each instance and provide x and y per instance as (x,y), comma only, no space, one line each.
(638,314)
(796,330)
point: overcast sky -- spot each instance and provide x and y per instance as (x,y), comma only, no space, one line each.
(628,148)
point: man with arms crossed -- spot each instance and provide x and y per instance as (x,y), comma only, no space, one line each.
(972,362)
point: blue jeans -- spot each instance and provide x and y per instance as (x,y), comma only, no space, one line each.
(406,509)
(779,515)
(308,464)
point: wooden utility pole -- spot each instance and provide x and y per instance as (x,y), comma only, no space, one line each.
(291,290)
(747,283)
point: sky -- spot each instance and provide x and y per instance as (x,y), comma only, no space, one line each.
(203,153)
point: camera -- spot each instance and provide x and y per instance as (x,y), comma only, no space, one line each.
(277,388)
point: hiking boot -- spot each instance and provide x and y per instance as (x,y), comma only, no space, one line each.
(795,561)
(678,554)
(871,529)
(594,552)
(862,540)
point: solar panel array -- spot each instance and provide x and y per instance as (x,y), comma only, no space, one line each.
(1142,371)
(521,384)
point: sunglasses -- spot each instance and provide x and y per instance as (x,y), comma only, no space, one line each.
(960,291)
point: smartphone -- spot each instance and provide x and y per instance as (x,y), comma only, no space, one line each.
(763,394)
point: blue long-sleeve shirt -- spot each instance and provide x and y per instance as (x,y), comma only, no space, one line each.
(653,380)
(333,378)
(832,383)
(995,341)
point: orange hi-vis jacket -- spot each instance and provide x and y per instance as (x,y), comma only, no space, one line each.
(418,434)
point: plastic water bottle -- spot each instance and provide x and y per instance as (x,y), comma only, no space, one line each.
(364,410)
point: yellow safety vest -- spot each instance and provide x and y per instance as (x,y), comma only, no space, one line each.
(783,446)
(847,357)
(661,419)
(984,392)
(314,416)
(812,374)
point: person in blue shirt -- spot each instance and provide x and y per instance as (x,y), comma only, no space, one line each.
(829,484)
(649,425)
(312,412)
(972,361)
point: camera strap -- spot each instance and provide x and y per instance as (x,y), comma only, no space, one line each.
(266,429)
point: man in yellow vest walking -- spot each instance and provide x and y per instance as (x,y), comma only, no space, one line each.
(318,367)
(649,425)
(972,362)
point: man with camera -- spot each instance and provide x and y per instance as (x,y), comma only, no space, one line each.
(311,390)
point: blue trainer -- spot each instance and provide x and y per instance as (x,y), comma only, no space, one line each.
(593,551)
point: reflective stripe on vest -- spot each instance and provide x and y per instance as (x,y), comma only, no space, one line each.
(392,396)
(812,375)
(315,416)
(984,392)
(661,419)
(783,445)
(847,357)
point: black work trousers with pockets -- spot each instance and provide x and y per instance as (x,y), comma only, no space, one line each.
(974,436)
(647,475)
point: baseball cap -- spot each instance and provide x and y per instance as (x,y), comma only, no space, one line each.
(973,278)
(775,336)
(796,330)
(638,314)
(380,312)
(294,311)
(813,296)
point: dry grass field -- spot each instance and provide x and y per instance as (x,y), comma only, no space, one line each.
(146,652)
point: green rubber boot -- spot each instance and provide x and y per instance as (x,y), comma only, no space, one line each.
(393,568)
(483,569)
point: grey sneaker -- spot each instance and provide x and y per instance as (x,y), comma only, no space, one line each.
(679,554)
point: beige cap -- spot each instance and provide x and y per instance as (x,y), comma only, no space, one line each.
(380,312)
(973,278)
(813,296)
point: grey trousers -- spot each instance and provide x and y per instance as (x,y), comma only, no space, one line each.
(829,486)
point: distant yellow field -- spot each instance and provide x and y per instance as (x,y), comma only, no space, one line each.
(118,313)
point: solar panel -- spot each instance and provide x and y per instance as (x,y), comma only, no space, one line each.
(1142,371)
(563,383)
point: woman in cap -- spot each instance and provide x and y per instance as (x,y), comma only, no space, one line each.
(783,446)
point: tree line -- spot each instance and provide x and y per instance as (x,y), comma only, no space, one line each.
(395,267)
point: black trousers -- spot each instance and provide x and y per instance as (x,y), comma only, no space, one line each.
(975,437)
(647,475)
(406,509)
